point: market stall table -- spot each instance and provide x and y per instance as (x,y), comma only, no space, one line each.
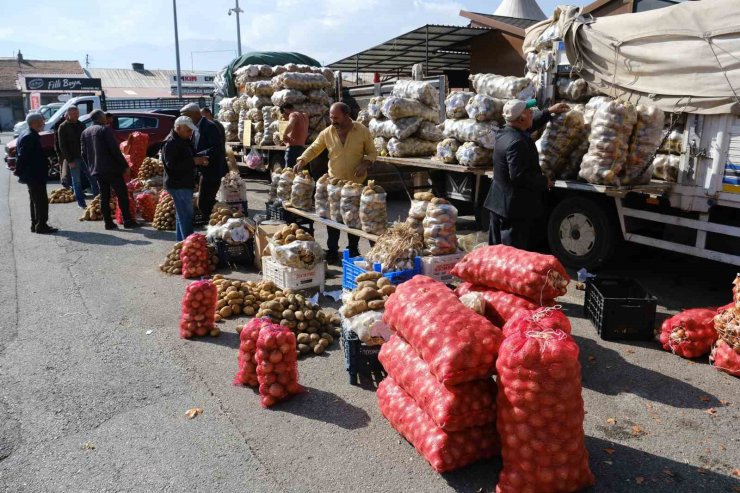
(312,216)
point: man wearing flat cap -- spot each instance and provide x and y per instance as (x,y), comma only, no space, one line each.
(516,199)
(208,143)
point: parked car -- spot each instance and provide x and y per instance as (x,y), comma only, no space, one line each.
(156,125)
(46,111)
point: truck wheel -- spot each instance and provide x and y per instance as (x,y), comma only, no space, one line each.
(580,233)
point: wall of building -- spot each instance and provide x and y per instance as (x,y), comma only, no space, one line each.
(498,53)
(613,8)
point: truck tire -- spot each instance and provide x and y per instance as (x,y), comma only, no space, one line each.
(580,233)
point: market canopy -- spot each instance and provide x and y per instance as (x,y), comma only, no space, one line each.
(224,81)
(680,58)
(439,48)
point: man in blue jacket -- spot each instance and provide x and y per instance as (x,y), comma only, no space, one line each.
(516,198)
(208,143)
(32,169)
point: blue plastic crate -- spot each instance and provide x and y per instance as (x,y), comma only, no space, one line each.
(350,271)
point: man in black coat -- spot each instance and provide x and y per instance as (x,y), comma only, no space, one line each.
(208,143)
(516,198)
(107,165)
(32,169)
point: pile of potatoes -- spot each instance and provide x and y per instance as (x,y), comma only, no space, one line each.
(222,213)
(315,329)
(173,265)
(150,168)
(164,215)
(290,233)
(93,212)
(61,196)
(371,293)
(242,297)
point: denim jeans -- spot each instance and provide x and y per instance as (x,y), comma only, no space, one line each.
(183,198)
(80,167)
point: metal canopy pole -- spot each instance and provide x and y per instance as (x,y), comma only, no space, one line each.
(426,56)
(357,69)
(238,11)
(177,51)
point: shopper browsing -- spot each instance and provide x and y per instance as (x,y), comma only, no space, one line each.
(70,133)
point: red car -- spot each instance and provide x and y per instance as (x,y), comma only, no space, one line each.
(157,125)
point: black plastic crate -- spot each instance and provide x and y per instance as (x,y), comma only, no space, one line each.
(198,219)
(620,309)
(360,358)
(238,254)
(275,212)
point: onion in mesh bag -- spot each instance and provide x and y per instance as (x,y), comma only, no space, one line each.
(429,131)
(397,108)
(411,147)
(455,104)
(335,199)
(564,134)
(260,88)
(484,108)
(312,109)
(646,137)
(302,191)
(440,234)
(319,96)
(381,145)
(269,114)
(375,107)
(421,91)
(255,115)
(285,185)
(418,210)
(228,116)
(666,167)
(373,212)
(469,130)
(287,96)
(301,81)
(350,204)
(321,198)
(363,116)
(258,102)
(502,87)
(611,128)
(471,154)
(446,151)
(689,334)
(401,129)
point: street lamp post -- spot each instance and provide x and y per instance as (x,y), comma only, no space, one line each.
(237,11)
(177,51)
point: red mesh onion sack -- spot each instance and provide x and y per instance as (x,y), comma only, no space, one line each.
(724,358)
(134,185)
(194,257)
(546,318)
(452,408)
(247,374)
(540,414)
(458,344)
(131,209)
(725,354)
(444,450)
(146,204)
(500,305)
(134,150)
(277,365)
(532,275)
(689,334)
(199,310)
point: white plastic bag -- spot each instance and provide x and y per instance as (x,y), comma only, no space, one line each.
(469,130)
(368,325)
(440,233)
(321,198)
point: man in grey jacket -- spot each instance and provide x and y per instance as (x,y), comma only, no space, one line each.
(100,151)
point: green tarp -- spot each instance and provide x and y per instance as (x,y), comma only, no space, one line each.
(271,58)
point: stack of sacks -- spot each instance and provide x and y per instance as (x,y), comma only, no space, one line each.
(229,119)
(645,140)
(559,145)
(439,393)
(406,125)
(455,110)
(511,280)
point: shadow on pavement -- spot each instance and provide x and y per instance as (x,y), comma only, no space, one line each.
(227,338)
(98,238)
(326,407)
(607,372)
(481,476)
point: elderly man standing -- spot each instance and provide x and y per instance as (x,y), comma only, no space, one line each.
(206,113)
(179,173)
(32,169)
(70,133)
(208,143)
(351,153)
(100,151)
(516,197)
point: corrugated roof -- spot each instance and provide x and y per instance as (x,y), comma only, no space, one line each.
(520,9)
(448,48)
(10,68)
(128,78)
(512,21)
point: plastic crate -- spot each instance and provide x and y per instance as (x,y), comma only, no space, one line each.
(350,271)
(360,358)
(439,267)
(620,309)
(238,254)
(198,219)
(275,211)
(292,278)
(242,207)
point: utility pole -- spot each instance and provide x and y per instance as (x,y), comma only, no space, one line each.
(237,11)
(177,51)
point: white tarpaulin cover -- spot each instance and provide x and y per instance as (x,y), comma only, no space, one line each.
(680,58)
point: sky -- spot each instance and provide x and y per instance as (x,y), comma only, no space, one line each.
(115,33)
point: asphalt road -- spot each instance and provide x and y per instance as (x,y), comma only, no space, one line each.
(90,402)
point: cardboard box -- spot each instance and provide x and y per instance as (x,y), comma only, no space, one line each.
(263,233)
(439,267)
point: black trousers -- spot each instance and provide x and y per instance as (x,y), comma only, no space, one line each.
(518,233)
(207,196)
(39,205)
(114,181)
(292,153)
(332,242)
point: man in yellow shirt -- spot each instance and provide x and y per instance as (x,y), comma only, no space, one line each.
(351,153)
